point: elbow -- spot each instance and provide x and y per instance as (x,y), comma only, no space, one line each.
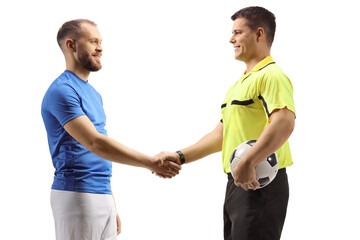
(284,120)
(288,126)
(291,125)
(95,145)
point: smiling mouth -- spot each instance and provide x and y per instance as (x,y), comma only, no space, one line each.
(236,48)
(97,56)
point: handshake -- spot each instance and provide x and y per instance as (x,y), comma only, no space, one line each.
(165,164)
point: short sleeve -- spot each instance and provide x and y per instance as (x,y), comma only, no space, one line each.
(276,92)
(64,104)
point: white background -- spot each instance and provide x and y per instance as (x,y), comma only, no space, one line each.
(167,66)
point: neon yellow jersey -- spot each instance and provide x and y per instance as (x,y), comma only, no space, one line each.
(248,105)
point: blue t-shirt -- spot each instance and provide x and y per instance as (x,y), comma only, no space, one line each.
(76,168)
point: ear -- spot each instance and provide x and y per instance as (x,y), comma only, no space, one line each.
(70,45)
(260,34)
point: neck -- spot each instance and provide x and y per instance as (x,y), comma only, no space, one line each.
(251,63)
(80,71)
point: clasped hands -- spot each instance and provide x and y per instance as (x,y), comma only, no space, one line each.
(166,164)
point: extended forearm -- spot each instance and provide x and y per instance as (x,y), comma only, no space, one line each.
(114,151)
(210,143)
(83,130)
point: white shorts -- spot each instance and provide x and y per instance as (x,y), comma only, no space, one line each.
(83,216)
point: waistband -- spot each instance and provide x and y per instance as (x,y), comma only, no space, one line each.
(282,170)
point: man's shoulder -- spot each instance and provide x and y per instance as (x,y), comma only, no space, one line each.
(65,79)
(62,82)
(272,71)
(61,88)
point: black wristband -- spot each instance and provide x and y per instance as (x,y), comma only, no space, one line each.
(182,157)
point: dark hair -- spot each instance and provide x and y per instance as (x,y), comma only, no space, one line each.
(258,17)
(71,29)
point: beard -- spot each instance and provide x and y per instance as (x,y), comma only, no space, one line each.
(85,60)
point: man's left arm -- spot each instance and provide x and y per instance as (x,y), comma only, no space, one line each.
(282,123)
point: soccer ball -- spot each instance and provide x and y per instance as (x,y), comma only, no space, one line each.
(265,171)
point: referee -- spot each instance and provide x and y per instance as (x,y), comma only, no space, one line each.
(258,106)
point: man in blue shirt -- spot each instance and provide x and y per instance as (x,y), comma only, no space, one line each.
(81,151)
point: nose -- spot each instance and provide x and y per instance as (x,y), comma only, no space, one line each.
(99,48)
(232,40)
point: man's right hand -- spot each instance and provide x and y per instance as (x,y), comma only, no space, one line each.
(168,164)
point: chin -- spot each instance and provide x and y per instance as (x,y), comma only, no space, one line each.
(94,67)
(239,58)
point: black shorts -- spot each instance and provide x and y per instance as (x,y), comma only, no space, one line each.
(256,215)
